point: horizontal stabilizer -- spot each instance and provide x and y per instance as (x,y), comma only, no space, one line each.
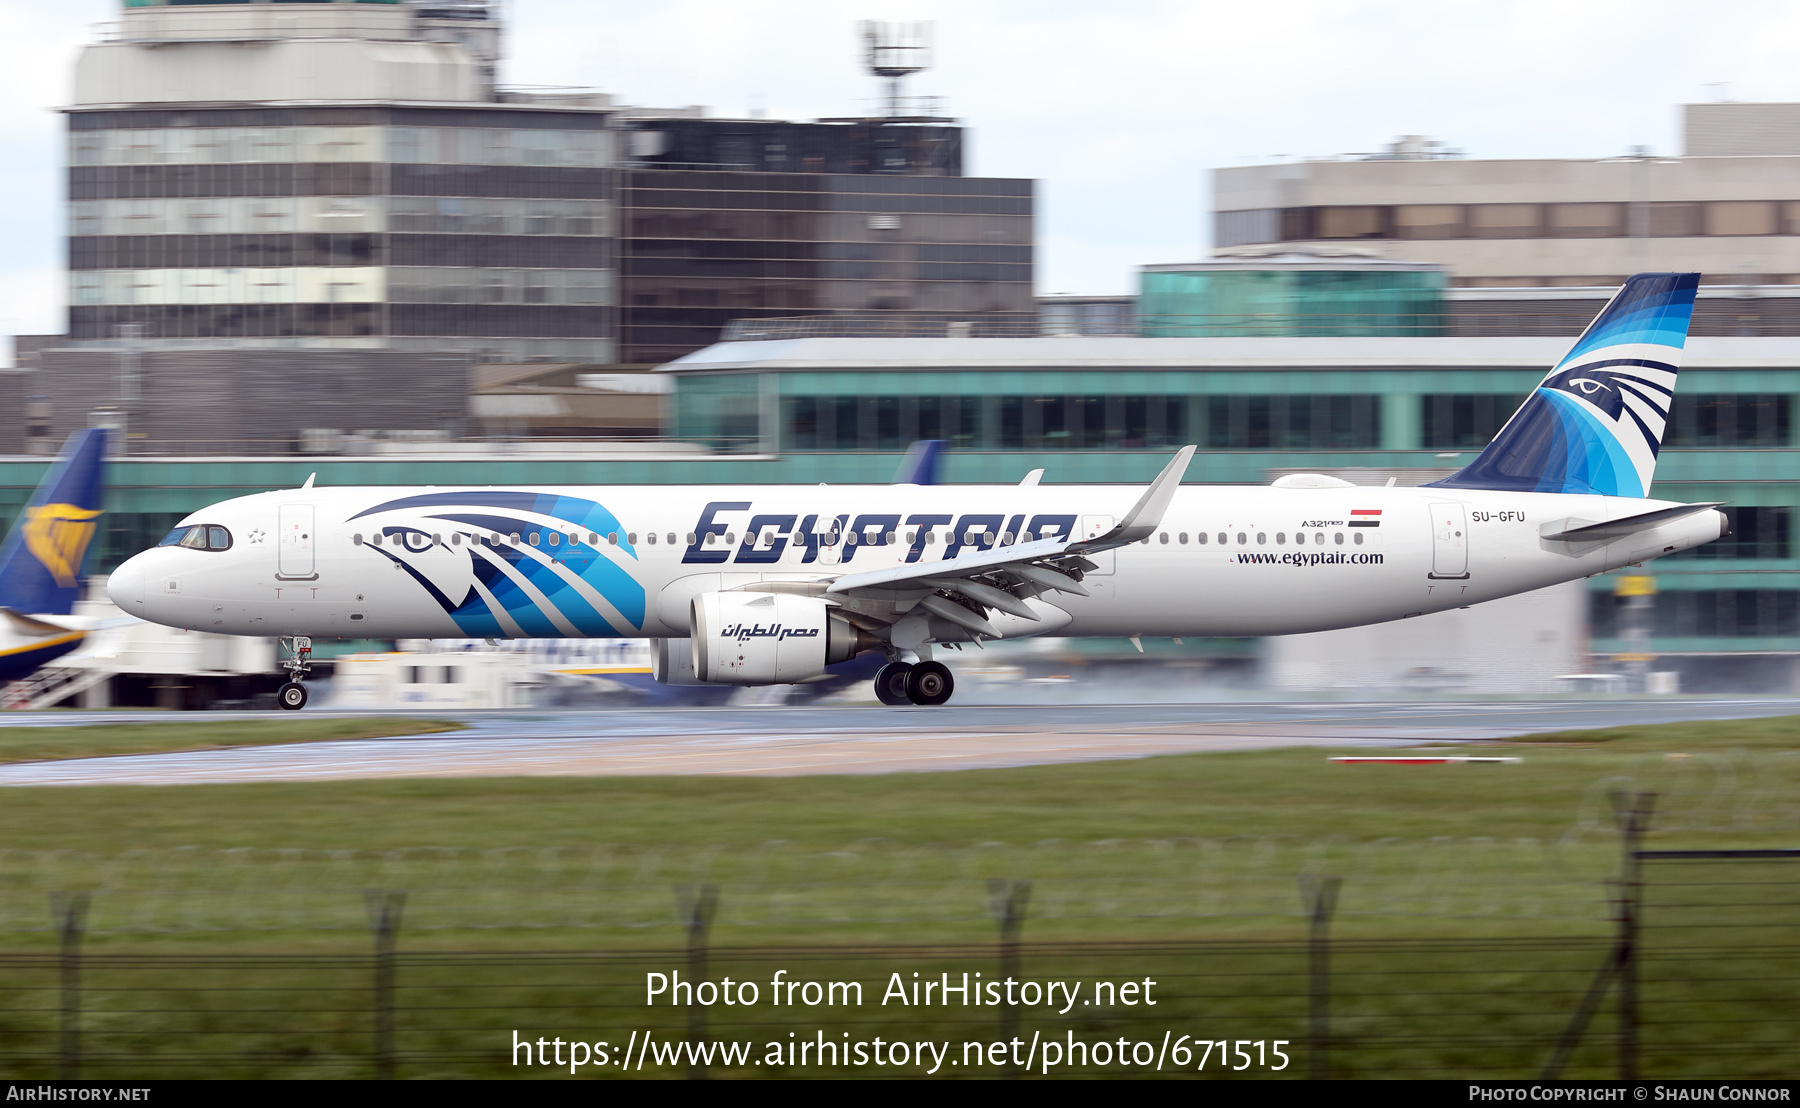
(26,625)
(1560,531)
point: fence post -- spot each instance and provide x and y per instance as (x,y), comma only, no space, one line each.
(698,907)
(1319,895)
(1632,813)
(69,910)
(1007,900)
(384,907)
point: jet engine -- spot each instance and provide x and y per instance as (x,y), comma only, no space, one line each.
(750,638)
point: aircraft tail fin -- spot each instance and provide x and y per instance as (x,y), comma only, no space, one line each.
(1595,424)
(41,559)
(920,466)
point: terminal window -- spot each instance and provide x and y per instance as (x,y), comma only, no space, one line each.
(1708,613)
(1756,532)
(1463,421)
(1292,422)
(1730,419)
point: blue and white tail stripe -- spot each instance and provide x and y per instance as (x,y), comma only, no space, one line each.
(1595,424)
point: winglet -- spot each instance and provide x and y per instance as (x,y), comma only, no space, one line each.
(1146,515)
(309,480)
(920,466)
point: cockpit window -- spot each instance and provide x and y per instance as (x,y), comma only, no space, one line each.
(200,536)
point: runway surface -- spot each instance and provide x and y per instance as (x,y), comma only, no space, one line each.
(859,740)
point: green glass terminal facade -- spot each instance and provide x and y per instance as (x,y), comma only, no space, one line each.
(1294,296)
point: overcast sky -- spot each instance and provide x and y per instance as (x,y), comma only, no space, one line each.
(1116,109)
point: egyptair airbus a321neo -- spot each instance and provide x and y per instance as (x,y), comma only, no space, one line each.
(757,585)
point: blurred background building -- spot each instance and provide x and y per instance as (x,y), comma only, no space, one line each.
(322,238)
(349,177)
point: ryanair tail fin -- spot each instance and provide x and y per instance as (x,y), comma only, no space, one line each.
(1595,424)
(41,559)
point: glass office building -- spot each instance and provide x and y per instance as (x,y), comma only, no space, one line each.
(700,249)
(1297,295)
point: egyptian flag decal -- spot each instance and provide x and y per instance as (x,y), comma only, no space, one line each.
(1365,517)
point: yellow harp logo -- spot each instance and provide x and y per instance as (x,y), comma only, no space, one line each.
(58,536)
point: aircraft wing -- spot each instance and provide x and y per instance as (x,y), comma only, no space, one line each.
(1006,576)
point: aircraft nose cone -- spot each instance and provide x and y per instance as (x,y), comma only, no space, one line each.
(126,585)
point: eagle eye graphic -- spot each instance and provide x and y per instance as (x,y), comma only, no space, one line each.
(1587,385)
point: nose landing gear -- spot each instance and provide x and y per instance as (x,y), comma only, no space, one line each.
(292,696)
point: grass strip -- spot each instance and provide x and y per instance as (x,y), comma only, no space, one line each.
(46,744)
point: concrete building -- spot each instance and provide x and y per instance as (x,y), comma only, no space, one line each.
(1727,206)
(333,175)
(347,175)
(699,249)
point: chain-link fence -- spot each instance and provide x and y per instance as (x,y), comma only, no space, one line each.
(778,885)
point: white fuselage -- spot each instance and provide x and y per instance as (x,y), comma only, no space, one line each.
(627,561)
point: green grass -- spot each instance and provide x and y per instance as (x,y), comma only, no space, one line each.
(1293,793)
(44,744)
(1483,860)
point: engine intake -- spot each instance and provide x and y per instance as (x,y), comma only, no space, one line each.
(748,638)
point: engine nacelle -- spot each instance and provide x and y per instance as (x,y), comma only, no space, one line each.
(672,662)
(760,638)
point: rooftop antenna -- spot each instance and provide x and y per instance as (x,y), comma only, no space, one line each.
(895,51)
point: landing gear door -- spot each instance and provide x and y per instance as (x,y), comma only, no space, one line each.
(295,544)
(1449,541)
(1092,527)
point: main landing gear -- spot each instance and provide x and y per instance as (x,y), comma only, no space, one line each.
(292,696)
(927,683)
